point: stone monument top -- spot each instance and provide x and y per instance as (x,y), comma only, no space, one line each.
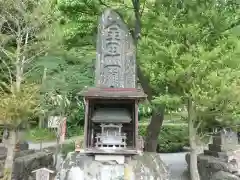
(116,59)
(227,139)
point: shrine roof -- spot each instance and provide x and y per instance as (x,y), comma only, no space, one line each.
(114,115)
(115,93)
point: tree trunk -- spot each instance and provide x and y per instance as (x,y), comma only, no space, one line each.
(192,140)
(10,145)
(153,130)
(154,127)
(59,133)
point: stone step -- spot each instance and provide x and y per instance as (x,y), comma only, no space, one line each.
(217,140)
(215,147)
(222,148)
(210,153)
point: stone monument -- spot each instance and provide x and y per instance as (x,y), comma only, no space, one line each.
(221,161)
(112,148)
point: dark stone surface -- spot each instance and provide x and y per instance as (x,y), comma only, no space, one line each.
(25,162)
(209,166)
(23,146)
(24,165)
(221,175)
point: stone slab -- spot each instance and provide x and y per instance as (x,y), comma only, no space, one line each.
(118,158)
(221,148)
(116,53)
(221,175)
(210,153)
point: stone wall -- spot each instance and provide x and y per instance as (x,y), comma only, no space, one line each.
(27,161)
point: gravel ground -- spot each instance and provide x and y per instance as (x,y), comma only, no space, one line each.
(177,165)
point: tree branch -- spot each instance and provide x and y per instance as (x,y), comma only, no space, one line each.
(103,3)
(9,71)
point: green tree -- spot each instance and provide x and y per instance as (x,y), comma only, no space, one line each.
(26,29)
(191,58)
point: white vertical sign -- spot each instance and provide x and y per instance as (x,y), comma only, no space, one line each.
(42,174)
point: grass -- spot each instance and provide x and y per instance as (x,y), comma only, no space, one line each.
(68,147)
(37,135)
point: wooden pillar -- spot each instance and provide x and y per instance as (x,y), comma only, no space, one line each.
(85,144)
(136,123)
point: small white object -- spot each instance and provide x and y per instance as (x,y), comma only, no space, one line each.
(54,121)
(43,173)
(76,173)
(109,172)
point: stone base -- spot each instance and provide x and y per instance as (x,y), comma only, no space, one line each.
(23,146)
(27,161)
(221,175)
(213,168)
(83,167)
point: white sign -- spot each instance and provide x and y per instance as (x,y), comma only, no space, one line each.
(54,121)
(42,174)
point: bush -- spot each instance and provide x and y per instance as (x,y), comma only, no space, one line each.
(37,134)
(172,138)
(69,147)
(144,111)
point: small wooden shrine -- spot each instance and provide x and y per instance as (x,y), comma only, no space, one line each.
(111,120)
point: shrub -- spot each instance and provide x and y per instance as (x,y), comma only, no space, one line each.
(172,138)
(69,147)
(37,134)
(144,111)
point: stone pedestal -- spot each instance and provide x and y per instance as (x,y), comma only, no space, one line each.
(223,143)
(147,166)
(222,159)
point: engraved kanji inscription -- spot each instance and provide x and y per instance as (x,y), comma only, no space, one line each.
(115,64)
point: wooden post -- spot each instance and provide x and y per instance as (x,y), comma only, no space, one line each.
(43,174)
(136,125)
(85,144)
(63,126)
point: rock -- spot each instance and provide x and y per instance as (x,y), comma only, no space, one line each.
(27,161)
(58,161)
(24,165)
(208,165)
(24,153)
(23,146)
(221,175)
(80,165)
